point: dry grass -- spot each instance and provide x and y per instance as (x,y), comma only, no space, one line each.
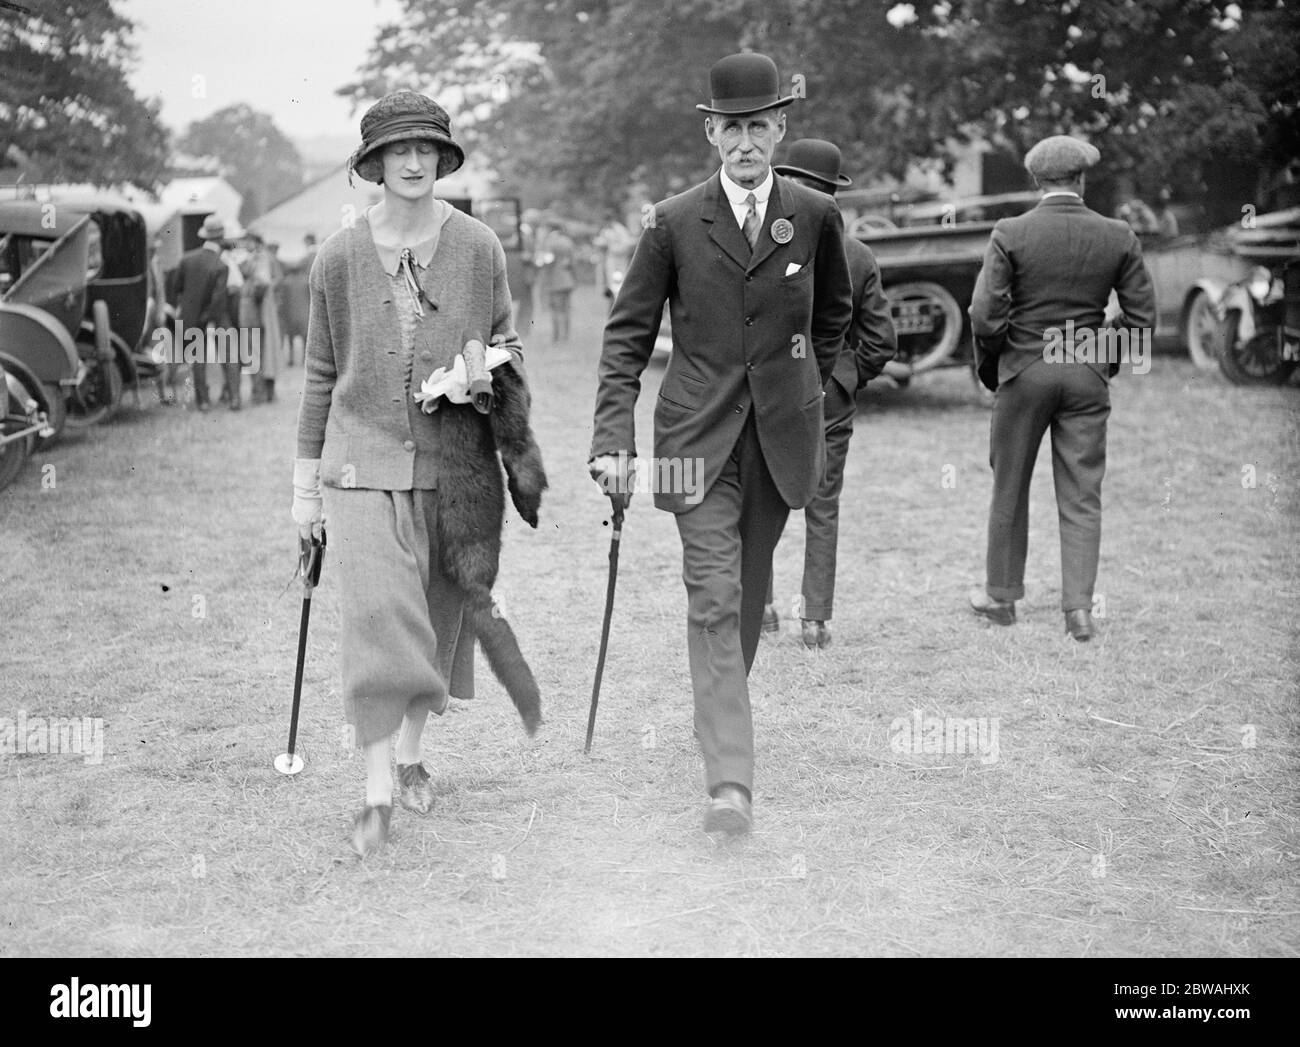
(1123,817)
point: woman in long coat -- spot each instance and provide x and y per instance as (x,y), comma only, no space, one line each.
(409,485)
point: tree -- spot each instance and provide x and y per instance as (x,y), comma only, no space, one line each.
(64,99)
(601,93)
(258,160)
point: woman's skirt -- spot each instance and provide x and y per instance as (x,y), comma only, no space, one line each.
(405,645)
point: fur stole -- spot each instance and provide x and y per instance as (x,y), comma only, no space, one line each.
(471,511)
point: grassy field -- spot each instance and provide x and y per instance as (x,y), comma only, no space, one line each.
(1143,800)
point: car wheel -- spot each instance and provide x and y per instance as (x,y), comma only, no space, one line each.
(931,305)
(1255,362)
(1202,331)
(97,397)
(13,454)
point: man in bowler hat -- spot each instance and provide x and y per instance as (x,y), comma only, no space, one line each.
(201,300)
(870,344)
(754,273)
(1056,264)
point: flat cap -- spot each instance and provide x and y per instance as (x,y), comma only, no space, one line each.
(1060,157)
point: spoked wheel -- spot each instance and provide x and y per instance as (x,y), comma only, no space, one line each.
(1254,362)
(16,408)
(929,318)
(98,395)
(1203,332)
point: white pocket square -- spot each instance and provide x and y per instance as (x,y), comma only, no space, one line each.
(792,268)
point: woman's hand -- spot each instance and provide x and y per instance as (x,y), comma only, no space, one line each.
(307,505)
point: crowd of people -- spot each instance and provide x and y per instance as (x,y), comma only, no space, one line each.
(234,282)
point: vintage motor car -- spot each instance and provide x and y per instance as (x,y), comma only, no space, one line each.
(85,263)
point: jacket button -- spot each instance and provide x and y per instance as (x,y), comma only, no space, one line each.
(749,321)
(749,367)
(749,278)
(426,355)
(740,408)
(409,445)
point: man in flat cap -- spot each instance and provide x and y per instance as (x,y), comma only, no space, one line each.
(754,273)
(870,344)
(1045,272)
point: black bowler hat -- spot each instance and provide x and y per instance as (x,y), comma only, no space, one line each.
(817,159)
(744,83)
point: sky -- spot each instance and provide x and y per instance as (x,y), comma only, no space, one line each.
(282,57)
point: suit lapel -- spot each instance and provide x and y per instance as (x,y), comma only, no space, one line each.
(780,204)
(724,230)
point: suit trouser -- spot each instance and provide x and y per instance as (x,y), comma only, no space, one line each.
(1074,401)
(822,514)
(727,544)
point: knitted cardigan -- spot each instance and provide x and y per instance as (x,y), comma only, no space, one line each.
(357,413)
(359,418)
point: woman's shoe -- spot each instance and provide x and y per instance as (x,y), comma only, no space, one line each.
(415,787)
(370,829)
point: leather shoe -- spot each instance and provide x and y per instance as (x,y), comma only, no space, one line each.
(1003,612)
(370,829)
(730,811)
(815,633)
(771,620)
(1079,624)
(415,787)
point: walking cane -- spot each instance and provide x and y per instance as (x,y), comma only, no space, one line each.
(311,554)
(619,502)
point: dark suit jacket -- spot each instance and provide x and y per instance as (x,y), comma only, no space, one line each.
(1054,264)
(200,289)
(871,341)
(745,336)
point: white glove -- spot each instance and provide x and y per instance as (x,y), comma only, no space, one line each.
(454,383)
(615,475)
(307,511)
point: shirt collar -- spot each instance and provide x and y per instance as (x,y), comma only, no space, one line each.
(391,257)
(736,193)
(1062,192)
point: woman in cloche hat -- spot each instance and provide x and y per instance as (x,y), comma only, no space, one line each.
(409,309)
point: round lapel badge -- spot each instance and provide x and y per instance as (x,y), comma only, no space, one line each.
(782,231)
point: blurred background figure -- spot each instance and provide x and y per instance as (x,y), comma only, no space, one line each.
(295,300)
(1166,220)
(234,255)
(615,244)
(523,294)
(555,273)
(1139,215)
(164,295)
(257,317)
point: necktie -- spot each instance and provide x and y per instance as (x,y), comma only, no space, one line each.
(751,221)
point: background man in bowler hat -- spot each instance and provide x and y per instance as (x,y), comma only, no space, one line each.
(201,296)
(1055,264)
(753,270)
(870,344)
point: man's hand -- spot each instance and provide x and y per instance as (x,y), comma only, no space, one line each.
(307,511)
(615,475)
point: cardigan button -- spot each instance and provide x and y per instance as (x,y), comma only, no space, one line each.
(426,355)
(409,445)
